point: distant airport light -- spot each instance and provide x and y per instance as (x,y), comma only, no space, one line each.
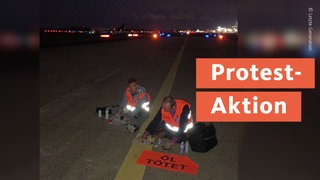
(129,35)
(206,36)
(104,35)
(135,35)
(155,36)
(168,35)
(220,36)
(188,32)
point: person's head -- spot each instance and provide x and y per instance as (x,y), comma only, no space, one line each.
(133,85)
(168,103)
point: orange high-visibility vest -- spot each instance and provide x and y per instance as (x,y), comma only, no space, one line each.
(134,102)
(175,120)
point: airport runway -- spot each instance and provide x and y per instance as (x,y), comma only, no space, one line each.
(74,80)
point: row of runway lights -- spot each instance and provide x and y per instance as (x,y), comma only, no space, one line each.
(155,36)
(205,36)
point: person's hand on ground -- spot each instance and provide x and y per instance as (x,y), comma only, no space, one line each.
(141,138)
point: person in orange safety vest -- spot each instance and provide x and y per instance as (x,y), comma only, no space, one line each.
(174,118)
(135,104)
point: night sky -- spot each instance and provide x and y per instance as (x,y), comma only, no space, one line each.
(147,14)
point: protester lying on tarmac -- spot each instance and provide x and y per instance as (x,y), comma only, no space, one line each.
(134,107)
(173,119)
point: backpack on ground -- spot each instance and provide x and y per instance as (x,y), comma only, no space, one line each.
(203,137)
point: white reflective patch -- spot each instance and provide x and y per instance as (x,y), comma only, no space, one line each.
(129,107)
(189,126)
(189,115)
(175,129)
(144,105)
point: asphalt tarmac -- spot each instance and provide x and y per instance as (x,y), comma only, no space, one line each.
(74,80)
(76,144)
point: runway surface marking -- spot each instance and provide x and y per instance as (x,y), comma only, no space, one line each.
(129,169)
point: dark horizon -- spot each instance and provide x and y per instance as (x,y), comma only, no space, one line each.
(182,14)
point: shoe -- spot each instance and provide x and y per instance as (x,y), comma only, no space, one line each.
(132,128)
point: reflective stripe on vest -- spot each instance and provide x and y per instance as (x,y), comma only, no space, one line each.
(132,103)
(172,123)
